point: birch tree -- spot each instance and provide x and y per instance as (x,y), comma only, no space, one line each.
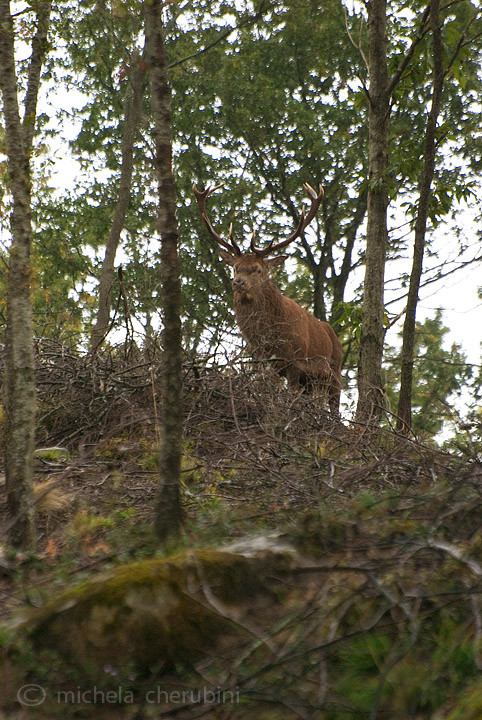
(19,380)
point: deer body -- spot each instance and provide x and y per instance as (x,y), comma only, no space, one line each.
(302,348)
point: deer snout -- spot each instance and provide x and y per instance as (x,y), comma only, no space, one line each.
(238,284)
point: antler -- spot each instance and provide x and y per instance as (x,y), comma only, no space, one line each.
(201,201)
(302,225)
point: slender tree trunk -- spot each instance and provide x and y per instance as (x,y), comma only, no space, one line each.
(132,110)
(340,280)
(370,390)
(404,412)
(19,382)
(319,305)
(168,515)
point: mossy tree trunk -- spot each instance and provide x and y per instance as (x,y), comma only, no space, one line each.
(168,514)
(370,386)
(19,381)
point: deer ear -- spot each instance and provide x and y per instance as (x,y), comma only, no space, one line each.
(276,261)
(227,257)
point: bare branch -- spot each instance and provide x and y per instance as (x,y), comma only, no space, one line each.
(357,46)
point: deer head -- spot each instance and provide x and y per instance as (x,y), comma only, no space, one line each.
(251,269)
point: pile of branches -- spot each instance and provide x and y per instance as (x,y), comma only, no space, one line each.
(241,423)
(249,428)
(82,398)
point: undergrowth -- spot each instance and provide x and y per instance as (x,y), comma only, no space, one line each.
(384,621)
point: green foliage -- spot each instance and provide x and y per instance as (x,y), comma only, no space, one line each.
(439,376)
(373,673)
(264,98)
(288,118)
(467,438)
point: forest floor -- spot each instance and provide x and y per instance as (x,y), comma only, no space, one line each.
(255,456)
(257,459)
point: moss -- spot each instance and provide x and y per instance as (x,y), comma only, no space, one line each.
(469,707)
(151,612)
(51,454)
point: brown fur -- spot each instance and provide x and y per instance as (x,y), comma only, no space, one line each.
(306,350)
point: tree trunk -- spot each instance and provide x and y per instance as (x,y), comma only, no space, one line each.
(19,382)
(168,515)
(370,390)
(132,109)
(319,305)
(340,280)
(404,413)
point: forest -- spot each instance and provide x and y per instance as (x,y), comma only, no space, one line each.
(200,516)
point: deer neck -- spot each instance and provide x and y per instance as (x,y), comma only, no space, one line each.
(259,314)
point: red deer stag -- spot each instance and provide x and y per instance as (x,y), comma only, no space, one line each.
(304,349)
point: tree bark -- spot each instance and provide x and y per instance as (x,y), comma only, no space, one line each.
(370,386)
(340,280)
(404,412)
(132,110)
(168,511)
(19,382)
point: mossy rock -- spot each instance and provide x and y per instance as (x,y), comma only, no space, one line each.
(51,454)
(155,613)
